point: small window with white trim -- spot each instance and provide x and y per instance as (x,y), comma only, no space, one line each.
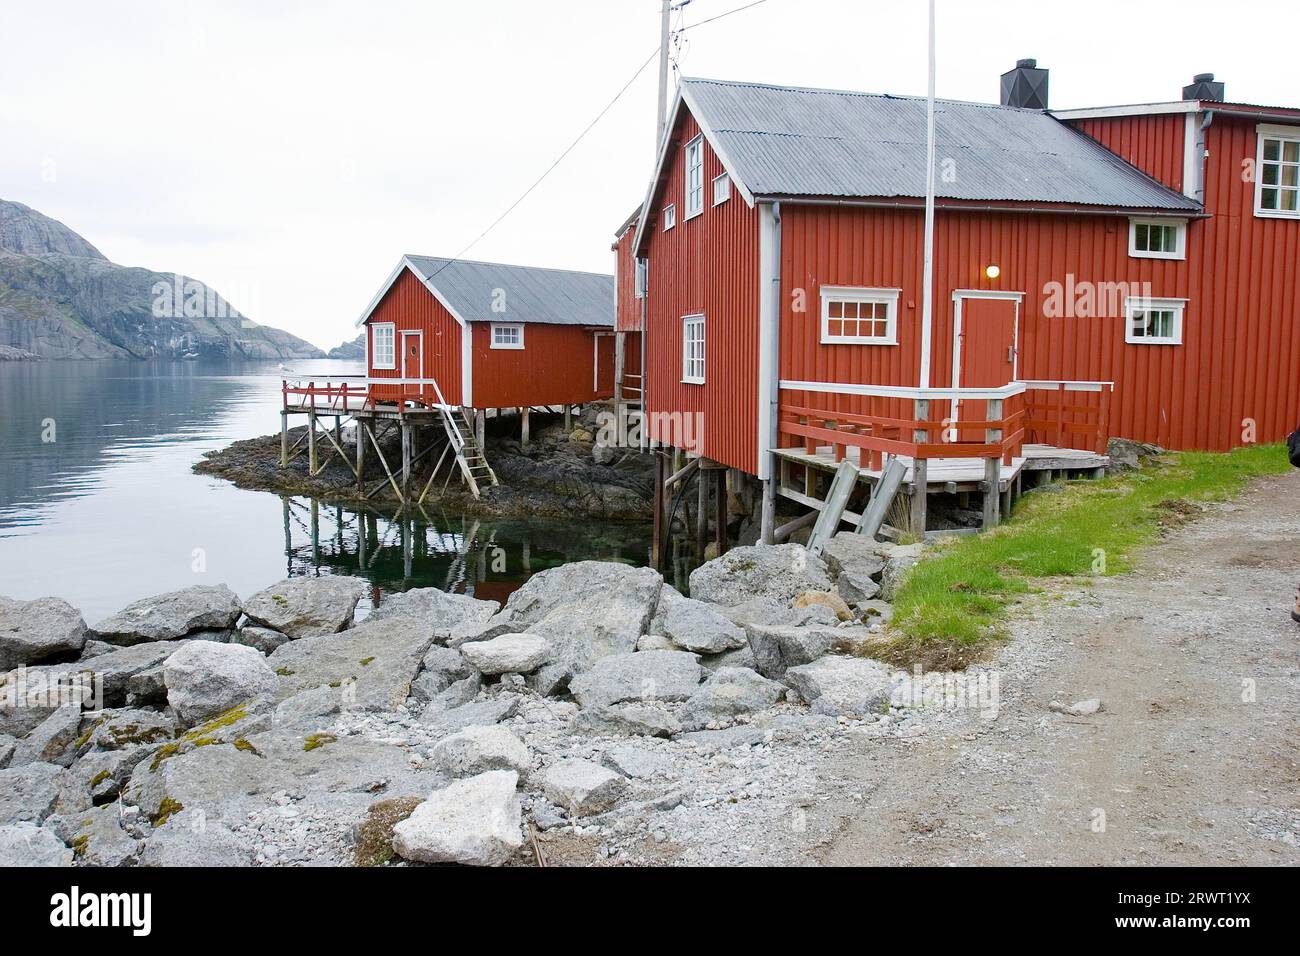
(1157,238)
(693,349)
(509,336)
(1277,172)
(383,353)
(670,216)
(695,177)
(721,189)
(1154,321)
(858,316)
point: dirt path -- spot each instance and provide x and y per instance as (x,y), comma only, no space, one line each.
(1183,769)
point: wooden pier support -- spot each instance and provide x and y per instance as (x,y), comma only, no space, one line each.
(284,439)
(480,428)
(406,461)
(311,442)
(992,467)
(701,511)
(920,483)
(362,428)
(523,426)
(656,543)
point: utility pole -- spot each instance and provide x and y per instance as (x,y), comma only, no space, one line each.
(665,10)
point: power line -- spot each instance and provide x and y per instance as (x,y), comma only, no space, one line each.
(581,136)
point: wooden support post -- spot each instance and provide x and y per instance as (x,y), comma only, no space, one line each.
(361,454)
(568,418)
(284,439)
(993,467)
(311,441)
(920,469)
(523,425)
(656,556)
(720,511)
(480,430)
(406,460)
(767,523)
(701,512)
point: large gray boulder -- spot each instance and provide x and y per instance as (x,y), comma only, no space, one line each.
(260,638)
(508,654)
(97,836)
(105,772)
(33,631)
(778,648)
(729,692)
(187,840)
(850,551)
(476,713)
(697,626)
(648,719)
(52,739)
(440,668)
(586,609)
(30,793)
(582,787)
(476,821)
(776,572)
(206,679)
(24,844)
(641,676)
(478,749)
(899,559)
(307,607)
(375,662)
(435,608)
(29,696)
(843,686)
(165,617)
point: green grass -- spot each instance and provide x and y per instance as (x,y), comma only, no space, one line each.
(953,604)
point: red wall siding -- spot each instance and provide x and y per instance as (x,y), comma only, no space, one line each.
(1154,144)
(556,365)
(707,264)
(627,307)
(409,305)
(1243,283)
(632,354)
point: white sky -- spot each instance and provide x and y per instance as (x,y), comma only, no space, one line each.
(288,153)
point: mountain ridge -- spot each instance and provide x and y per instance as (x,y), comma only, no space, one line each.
(60,297)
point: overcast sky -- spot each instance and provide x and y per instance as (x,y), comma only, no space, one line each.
(288,153)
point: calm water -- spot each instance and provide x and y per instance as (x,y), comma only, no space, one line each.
(109,510)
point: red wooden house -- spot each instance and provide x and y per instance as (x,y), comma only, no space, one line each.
(629,317)
(1115,272)
(486,336)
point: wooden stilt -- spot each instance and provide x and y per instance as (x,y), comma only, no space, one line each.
(993,468)
(720,510)
(656,555)
(311,441)
(767,524)
(480,429)
(361,454)
(406,460)
(523,425)
(568,418)
(701,512)
(284,439)
(920,470)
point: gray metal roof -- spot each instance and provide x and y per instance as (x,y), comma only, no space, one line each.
(805,142)
(528,293)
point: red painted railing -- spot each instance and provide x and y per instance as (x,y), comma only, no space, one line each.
(338,395)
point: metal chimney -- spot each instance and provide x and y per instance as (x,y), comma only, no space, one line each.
(1204,88)
(1025,86)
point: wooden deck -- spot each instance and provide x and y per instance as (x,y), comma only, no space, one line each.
(959,474)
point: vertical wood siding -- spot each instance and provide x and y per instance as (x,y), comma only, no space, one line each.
(556,365)
(410,306)
(627,307)
(707,264)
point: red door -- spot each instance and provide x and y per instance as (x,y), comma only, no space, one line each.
(604,358)
(987,344)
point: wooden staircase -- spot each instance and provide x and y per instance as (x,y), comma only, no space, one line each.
(474,467)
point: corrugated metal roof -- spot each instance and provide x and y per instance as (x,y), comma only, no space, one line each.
(527,293)
(807,142)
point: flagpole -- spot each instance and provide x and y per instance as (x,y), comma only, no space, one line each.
(927,291)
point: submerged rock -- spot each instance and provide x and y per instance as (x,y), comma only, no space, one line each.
(165,617)
(33,631)
(307,607)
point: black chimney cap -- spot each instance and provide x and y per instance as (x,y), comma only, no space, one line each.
(1203,87)
(1025,86)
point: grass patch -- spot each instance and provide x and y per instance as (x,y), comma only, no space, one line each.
(953,605)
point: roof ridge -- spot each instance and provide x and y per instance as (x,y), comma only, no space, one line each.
(839,92)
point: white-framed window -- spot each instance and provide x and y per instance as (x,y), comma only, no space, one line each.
(1153,321)
(695,176)
(1277,172)
(858,316)
(693,349)
(721,189)
(383,351)
(507,335)
(670,216)
(1157,238)
(640,277)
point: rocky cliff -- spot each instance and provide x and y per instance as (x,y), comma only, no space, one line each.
(61,298)
(353,351)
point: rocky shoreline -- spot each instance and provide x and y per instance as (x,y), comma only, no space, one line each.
(599,710)
(559,474)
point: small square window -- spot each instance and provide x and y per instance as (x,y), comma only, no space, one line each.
(721,189)
(670,216)
(1153,321)
(1157,239)
(856,316)
(507,336)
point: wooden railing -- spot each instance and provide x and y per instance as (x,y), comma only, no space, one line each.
(1058,410)
(338,395)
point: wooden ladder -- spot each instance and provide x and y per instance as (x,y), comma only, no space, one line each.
(470,456)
